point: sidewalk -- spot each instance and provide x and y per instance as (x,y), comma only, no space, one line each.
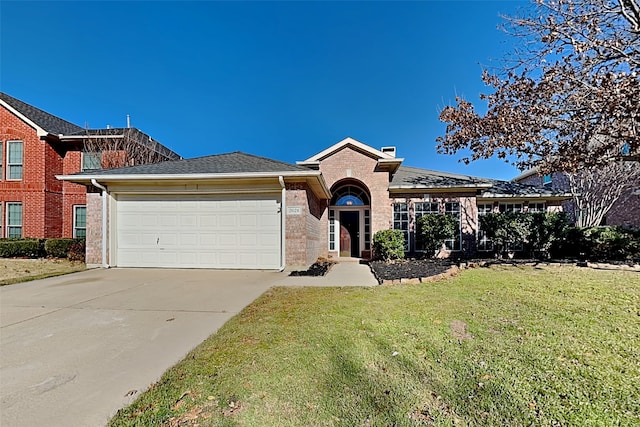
(346,272)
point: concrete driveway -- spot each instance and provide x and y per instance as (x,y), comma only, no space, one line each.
(74,349)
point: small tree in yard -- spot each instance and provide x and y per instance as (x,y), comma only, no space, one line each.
(434,229)
(389,244)
(506,230)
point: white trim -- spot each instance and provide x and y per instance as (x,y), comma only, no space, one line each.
(8,165)
(39,131)
(344,143)
(7,225)
(74,227)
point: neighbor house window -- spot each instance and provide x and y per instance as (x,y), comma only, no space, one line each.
(536,207)
(420,209)
(14,160)
(401,221)
(80,222)
(91,161)
(14,219)
(453,209)
(484,243)
(546,180)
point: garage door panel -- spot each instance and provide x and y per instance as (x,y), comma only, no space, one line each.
(198,231)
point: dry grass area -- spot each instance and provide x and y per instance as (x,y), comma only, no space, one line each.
(21,270)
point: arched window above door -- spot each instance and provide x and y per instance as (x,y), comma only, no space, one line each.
(350,195)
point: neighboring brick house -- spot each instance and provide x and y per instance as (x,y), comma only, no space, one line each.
(625,212)
(236,210)
(35,146)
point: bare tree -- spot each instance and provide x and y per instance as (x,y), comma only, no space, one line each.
(566,98)
(596,190)
(118,147)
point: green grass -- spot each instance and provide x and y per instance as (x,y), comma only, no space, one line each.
(16,270)
(553,346)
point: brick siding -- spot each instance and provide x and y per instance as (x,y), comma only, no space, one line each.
(305,239)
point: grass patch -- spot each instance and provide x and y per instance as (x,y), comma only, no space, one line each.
(22,270)
(493,346)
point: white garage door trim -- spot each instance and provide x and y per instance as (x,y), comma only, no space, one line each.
(241,231)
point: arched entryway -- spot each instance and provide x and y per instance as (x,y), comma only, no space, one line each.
(350,219)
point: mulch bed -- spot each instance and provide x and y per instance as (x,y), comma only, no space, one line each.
(410,268)
(318,269)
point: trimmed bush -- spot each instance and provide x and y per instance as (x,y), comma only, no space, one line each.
(434,229)
(61,248)
(389,244)
(21,248)
(612,243)
(77,250)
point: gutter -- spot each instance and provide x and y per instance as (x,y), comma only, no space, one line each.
(283,225)
(104,221)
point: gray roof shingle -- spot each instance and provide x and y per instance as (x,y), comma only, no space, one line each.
(410,177)
(236,162)
(50,123)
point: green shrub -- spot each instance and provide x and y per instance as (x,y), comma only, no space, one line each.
(434,229)
(65,248)
(23,248)
(547,230)
(507,230)
(389,244)
(612,243)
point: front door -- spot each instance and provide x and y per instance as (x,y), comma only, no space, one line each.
(350,233)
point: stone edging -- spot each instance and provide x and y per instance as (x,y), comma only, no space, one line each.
(454,270)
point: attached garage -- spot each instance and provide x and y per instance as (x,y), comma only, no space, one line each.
(227,211)
(198,231)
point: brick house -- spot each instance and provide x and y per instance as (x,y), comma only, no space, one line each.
(236,210)
(625,212)
(35,146)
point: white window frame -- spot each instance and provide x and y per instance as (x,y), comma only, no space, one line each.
(510,208)
(11,165)
(484,244)
(419,211)
(454,244)
(8,225)
(400,223)
(334,230)
(75,224)
(536,207)
(97,159)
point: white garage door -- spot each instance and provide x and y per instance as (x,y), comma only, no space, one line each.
(198,231)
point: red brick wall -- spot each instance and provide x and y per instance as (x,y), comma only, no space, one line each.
(350,163)
(47,210)
(305,239)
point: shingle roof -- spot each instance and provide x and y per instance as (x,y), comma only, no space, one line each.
(416,178)
(50,123)
(228,163)
(410,177)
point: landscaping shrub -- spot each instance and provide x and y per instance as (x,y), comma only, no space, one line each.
(65,248)
(434,229)
(547,230)
(389,244)
(21,248)
(507,230)
(612,243)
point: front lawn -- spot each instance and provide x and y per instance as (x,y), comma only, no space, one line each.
(493,346)
(14,270)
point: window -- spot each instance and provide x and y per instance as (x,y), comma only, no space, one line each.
(14,160)
(453,208)
(401,221)
(367,230)
(14,219)
(91,161)
(546,180)
(332,230)
(420,209)
(80,221)
(484,243)
(536,207)
(510,207)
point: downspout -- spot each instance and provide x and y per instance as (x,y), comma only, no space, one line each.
(104,221)
(283,225)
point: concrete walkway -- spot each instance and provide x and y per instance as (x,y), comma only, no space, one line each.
(76,348)
(347,272)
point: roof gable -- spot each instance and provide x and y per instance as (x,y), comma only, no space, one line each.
(43,122)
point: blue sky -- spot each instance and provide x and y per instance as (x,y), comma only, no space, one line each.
(283,80)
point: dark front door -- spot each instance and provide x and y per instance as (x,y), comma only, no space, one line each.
(350,233)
